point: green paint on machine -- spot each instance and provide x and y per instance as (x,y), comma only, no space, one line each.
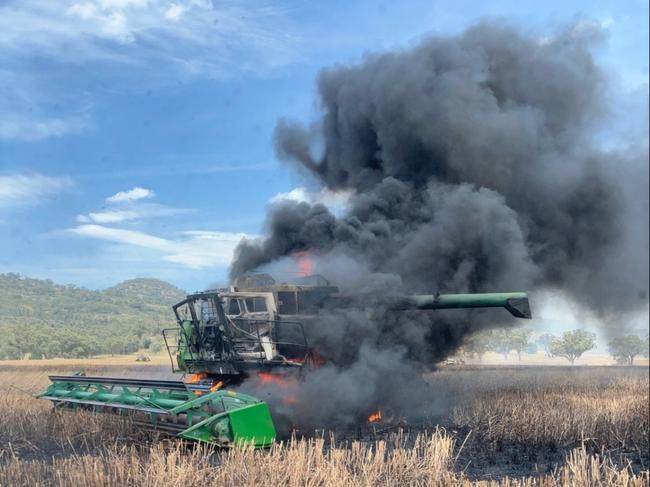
(252,424)
(223,417)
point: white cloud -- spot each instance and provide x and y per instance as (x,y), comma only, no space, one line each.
(120,4)
(109,216)
(20,189)
(206,249)
(174,12)
(84,10)
(220,38)
(23,119)
(138,212)
(146,43)
(195,249)
(19,126)
(336,201)
(134,194)
(123,236)
(172,168)
(607,22)
(114,26)
(127,206)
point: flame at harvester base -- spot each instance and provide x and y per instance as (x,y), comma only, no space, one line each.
(375,417)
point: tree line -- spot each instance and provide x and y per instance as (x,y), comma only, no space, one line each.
(570,345)
(40,319)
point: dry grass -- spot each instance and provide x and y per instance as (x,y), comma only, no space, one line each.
(32,427)
(607,408)
(524,420)
(100,362)
(563,414)
(27,429)
(301,463)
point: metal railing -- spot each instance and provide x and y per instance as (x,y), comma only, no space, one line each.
(174,334)
(245,339)
(166,337)
(257,331)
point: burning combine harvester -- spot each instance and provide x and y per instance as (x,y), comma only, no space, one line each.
(256,328)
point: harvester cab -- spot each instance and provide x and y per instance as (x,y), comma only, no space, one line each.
(297,297)
(224,336)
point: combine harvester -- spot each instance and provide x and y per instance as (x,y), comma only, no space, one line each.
(224,337)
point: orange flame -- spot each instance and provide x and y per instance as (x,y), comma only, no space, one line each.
(201,376)
(316,359)
(269,378)
(313,358)
(194,378)
(375,417)
(290,399)
(283,383)
(305,264)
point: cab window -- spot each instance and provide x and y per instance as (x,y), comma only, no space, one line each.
(287,303)
(256,305)
(233,307)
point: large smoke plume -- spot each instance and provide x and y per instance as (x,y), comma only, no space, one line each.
(474,166)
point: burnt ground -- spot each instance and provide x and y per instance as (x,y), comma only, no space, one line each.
(485,455)
(478,459)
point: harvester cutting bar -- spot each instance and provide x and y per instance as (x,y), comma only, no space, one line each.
(82,379)
(220,417)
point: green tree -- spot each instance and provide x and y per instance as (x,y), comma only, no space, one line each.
(519,341)
(156,346)
(499,342)
(39,318)
(572,345)
(503,341)
(545,340)
(477,344)
(532,348)
(625,348)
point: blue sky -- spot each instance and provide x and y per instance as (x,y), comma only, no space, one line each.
(136,135)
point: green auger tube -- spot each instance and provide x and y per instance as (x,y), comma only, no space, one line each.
(516,303)
(222,417)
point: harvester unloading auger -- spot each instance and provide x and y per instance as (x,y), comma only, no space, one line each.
(226,336)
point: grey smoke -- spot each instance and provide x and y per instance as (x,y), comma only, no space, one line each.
(474,167)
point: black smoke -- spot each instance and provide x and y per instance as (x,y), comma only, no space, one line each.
(475,165)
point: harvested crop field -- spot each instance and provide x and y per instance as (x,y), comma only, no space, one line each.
(493,426)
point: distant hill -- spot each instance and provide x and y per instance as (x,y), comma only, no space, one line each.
(41,318)
(148,290)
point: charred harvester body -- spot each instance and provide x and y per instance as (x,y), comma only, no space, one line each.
(226,336)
